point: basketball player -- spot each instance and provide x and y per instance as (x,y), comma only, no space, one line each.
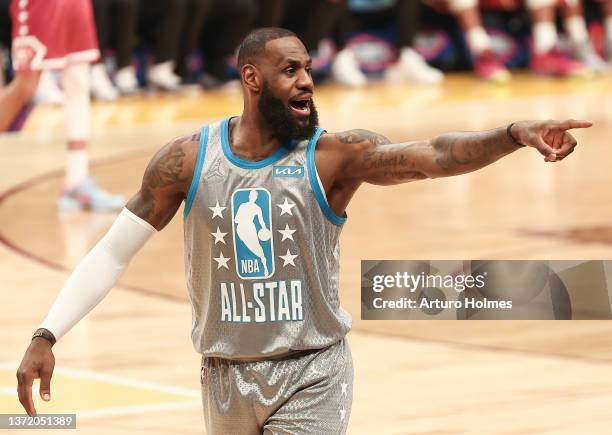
(58,34)
(274,354)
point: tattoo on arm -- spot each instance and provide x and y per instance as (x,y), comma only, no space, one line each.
(381,162)
(461,152)
(164,171)
(359,136)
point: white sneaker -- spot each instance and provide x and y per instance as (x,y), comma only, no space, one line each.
(586,54)
(161,75)
(412,67)
(125,80)
(345,69)
(48,91)
(101,86)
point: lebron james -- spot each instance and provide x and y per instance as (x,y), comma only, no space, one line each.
(265,195)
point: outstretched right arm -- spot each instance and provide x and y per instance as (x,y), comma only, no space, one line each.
(164,186)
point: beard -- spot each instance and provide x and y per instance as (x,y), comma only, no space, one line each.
(280,120)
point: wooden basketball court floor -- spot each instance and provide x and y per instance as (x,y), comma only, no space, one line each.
(130,368)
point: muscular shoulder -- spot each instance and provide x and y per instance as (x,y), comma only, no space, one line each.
(172,166)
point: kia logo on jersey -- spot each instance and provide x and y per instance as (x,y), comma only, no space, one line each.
(288,171)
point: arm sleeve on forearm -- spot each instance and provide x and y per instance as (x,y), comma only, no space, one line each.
(97,272)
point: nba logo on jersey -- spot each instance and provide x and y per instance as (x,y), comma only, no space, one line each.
(253,235)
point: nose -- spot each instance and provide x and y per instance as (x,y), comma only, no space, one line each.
(304,82)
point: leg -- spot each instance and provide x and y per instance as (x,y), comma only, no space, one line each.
(411,66)
(607,10)
(322,404)
(16,95)
(576,29)
(79,190)
(101,86)
(233,19)
(123,39)
(125,20)
(162,22)
(546,58)
(486,63)
(345,68)
(271,13)
(197,11)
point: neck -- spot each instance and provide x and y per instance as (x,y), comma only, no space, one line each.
(250,138)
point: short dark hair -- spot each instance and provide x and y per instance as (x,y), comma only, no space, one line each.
(255,42)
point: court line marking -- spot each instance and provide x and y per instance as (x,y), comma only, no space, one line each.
(117,380)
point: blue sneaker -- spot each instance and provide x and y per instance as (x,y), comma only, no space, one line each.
(89,196)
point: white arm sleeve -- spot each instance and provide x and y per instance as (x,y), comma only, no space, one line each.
(97,272)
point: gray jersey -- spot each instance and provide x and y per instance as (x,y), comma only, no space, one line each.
(261,252)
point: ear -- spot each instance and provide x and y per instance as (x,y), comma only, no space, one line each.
(251,77)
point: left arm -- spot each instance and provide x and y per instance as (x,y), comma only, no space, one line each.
(372,158)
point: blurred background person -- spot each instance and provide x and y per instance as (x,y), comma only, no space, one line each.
(607,12)
(487,64)
(56,34)
(5,38)
(546,56)
(578,34)
(116,23)
(315,20)
(160,27)
(403,18)
(215,28)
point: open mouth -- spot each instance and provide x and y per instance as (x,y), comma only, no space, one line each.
(300,107)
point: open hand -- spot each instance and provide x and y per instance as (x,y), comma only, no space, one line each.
(550,138)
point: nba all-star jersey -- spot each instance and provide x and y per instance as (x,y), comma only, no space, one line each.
(261,252)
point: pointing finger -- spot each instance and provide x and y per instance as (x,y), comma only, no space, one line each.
(572,123)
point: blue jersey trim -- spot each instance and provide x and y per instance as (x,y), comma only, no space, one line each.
(247,164)
(197,172)
(315,184)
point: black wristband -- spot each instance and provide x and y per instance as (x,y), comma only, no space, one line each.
(509,133)
(44,333)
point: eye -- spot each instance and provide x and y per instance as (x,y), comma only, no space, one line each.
(309,69)
(290,70)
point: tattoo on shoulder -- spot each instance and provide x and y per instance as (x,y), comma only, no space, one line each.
(165,169)
(358,136)
(168,166)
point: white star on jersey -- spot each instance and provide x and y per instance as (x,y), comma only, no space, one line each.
(344,386)
(287,233)
(219,236)
(342,414)
(222,261)
(286,207)
(217,210)
(288,258)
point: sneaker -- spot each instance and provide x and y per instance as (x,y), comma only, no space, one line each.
(89,196)
(586,54)
(345,69)
(161,75)
(489,66)
(48,91)
(412,67)
(556,63)
(101,87)
(125,80)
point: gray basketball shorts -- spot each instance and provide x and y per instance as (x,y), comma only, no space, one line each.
(310,392)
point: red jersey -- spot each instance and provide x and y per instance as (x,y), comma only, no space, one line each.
(50,34)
